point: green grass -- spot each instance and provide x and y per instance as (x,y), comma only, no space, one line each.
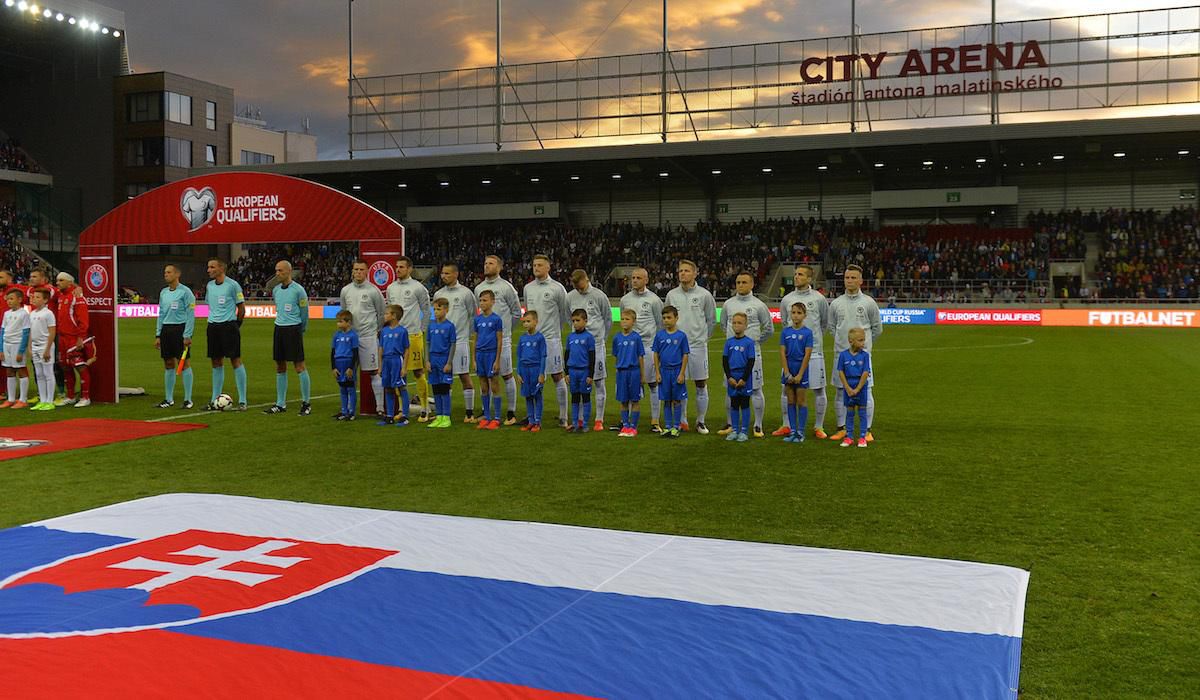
(1073,456)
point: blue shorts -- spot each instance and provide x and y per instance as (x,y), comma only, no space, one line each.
(744,390)
(436,373)
(629,385)
(341,366)
(669,389)
(391,373)
(793,369)
(484,361)
(529,381)
(578,381)
(859,399)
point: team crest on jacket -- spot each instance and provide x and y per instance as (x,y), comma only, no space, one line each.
(186,577)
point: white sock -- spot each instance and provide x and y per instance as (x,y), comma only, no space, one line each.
(728,410)
(839,407)
(701,405)
(12,386)
(24,382)
(469,400)
(562,391)
(377,389)
(783,405)
(45,382)
(510,390)
(759,402)
(870,409)
(600,391)
(655,403)
(820,403)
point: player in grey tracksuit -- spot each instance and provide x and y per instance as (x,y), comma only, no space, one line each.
(698,320)
(759,328)
(508,307)
(462,314)
(599,323)
(854,309)
(365,301)
(817,321)
(648,308)
(548,299)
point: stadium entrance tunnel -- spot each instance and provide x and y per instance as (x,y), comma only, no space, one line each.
(223,208)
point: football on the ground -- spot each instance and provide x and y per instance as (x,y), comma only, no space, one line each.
(223,402)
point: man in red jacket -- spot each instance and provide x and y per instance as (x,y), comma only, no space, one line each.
(76,348)
(7,282)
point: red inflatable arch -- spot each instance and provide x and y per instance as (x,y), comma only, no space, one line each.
(231,207)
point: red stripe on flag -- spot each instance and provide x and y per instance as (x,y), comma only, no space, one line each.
(181,666)
(76,433)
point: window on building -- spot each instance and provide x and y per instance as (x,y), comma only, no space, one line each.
(133,189)
(210,115)
(179,152)
(148,151)
(255,158)
(210,154)
(179,108)
(143,107)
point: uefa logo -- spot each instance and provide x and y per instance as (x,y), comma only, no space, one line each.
(198,206)
(96,279)
(381,273)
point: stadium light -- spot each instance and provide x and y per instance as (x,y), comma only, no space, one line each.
(1118,154)
(485,182)
(47,13)
(768,171)
(574,177)
(116,34)
(9,3)
(34,9)
(444,183)
(356,187)
(879,165)
(95,26)
(981,160)
(716,172)
(1058,156)
(71,20)
(104,31)
(616,176)
(822,167)
(927,163)
(1183,152)
(535,179)
(403,185)
(60,16)
(664,174)
(22,6)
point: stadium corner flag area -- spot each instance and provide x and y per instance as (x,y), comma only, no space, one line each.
(233,596)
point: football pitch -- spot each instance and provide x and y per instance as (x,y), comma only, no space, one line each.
(1068,452)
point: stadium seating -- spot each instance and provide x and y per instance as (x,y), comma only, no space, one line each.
(12,157)
(15,224)
(1147,254)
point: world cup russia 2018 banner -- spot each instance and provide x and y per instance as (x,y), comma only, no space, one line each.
(218,596)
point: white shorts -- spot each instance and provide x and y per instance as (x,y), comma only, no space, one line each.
(506,357)
(837,379)
(816,372)
(11,350)
(47,366)
(460,360)
(697,368)
(554,356)
(601,370)
(648,363)
(368,353)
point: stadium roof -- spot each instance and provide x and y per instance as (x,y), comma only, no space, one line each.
(903,152)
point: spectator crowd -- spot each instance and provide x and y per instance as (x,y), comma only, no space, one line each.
(16,224)
(12,157)
(1149,254)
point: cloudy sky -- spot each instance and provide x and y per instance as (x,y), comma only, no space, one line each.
(288,57)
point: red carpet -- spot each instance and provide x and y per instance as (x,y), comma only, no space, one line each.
(29,440)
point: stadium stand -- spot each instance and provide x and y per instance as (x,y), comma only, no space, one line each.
(13,157)
(1147,254)
(322,269)
(16,224)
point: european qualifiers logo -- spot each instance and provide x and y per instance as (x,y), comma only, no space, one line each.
(198,206)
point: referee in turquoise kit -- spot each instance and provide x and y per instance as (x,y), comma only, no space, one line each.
(291,320)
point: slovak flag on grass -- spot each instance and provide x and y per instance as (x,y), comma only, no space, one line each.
(218,596)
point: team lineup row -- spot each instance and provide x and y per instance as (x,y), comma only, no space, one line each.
(377,318)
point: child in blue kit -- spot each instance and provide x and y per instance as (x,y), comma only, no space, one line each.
(854,366)
(531,371)
(630,354)
(441,339)
(393,344)
(795,351)
(343,356)
(738,360)
(489,338)
(671,352)
(581,367)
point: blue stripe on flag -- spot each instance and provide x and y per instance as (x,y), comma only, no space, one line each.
(23,548)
